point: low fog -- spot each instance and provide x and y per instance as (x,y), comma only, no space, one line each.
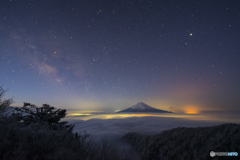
(114,129)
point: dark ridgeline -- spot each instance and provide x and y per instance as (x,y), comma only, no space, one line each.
(187,143)
(142,107)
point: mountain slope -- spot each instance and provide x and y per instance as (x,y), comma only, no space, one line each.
(187,143)
(142,107)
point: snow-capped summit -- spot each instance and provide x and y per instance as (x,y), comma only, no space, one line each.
(142,107)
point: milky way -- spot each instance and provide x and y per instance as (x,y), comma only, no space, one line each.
(99,55)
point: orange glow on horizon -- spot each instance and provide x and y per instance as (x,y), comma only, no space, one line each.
(191,110)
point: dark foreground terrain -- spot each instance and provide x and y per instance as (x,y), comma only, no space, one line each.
(41,141)
(187,143)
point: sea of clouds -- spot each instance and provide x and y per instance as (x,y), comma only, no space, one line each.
(114,129)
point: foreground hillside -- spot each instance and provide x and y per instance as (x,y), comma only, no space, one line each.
(188,143)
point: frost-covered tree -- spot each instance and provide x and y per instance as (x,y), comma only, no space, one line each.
(4,103)
(38,133)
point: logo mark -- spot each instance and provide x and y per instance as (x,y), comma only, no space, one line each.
(212,154)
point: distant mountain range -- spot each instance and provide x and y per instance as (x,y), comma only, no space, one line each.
(142,107)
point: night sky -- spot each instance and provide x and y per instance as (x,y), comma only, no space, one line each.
(108,55)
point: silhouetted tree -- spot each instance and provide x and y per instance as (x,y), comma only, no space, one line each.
(4,103)
(46,114)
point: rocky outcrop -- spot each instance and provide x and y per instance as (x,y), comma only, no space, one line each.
(187,143)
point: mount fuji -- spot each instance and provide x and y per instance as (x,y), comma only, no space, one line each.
(142,107)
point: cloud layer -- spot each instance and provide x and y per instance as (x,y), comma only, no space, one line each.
(113,129)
